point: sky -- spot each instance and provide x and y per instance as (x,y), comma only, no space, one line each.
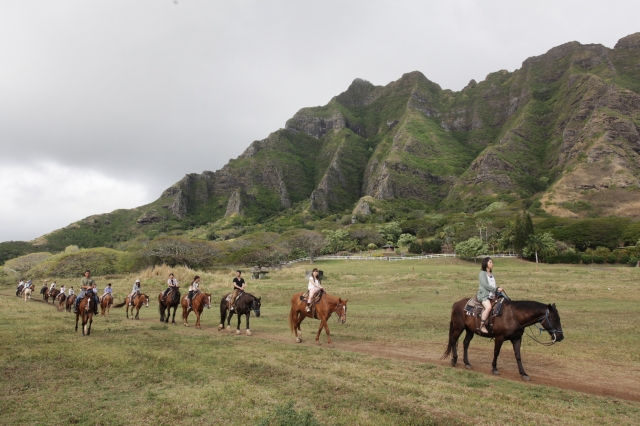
(104,104)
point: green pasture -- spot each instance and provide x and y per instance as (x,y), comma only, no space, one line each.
(144,372)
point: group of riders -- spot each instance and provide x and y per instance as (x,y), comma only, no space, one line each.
(89,289)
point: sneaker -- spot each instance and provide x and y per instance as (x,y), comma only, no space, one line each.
(308,309)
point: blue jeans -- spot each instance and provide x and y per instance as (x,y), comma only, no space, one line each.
(83,294)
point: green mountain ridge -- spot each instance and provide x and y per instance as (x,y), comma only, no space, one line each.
(561,131)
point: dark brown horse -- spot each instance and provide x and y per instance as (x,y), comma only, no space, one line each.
(324,308)
(172,300)
(105,304)
(199,302)
(70,301)
(139,300)
(51,294)
(510,325)
(244,305)
(85,310)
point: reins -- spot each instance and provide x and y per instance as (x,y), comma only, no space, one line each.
(545,317)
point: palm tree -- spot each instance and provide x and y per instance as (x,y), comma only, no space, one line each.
(535,243)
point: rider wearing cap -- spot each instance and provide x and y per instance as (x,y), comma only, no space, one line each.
(134,291)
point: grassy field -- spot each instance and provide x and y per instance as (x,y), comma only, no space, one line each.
(384,368)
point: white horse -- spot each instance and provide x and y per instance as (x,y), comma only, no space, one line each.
(27,294)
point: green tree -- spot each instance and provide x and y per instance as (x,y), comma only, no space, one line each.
(472,248)
(540,244)
(406,239)
(337,240)
(422,234)
(523,228)
(390,231)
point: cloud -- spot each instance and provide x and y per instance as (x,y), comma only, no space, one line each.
(40,197)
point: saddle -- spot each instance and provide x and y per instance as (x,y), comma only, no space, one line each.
(316,297)
(237,297)
(474,308)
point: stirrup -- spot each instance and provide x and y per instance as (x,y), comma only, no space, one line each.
(483,324)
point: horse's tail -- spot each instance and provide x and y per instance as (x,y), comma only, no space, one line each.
(292,318)
(223,310)
(451,344)
(120,305)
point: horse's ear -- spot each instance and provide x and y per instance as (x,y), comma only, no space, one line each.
(259,298)
(340,301)
(554,306)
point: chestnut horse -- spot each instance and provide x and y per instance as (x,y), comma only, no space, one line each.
(327,305)
(85,309)
(51,294)
(198,304)
(244,305)
(105,304)
(70,301)
(139,301)
(61,297)
(166,303)
(516,316)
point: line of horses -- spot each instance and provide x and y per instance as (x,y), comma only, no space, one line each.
(509,326)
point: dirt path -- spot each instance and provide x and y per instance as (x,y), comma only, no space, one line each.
(612,380)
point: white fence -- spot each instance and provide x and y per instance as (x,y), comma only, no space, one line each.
(393,258)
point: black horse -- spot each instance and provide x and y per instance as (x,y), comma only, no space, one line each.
(510,325)
(244,305)
(172,300)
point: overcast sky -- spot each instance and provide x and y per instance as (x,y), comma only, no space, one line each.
(104,104)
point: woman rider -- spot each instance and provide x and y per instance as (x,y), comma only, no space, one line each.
(486,291)
(193,289)
(314,287)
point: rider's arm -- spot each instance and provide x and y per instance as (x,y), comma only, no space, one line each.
(484,281)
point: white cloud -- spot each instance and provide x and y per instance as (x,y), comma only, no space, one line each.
(43,196)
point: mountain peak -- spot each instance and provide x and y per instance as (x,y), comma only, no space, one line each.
(629,42)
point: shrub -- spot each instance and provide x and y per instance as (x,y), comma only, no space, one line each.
(633,261)
(432,246)
(598,259)
(612,259)
(415,248)
(624,259)
(573,258)
(586,258)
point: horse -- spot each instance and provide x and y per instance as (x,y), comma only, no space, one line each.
(138,301)
(105,304)
(244,305)
(516,316)
(43,290)
(62,297)
(327,305)
(51,294)
(198,304)
(69,302)
(19,290)
(85,309)
(172,300)
(27,293)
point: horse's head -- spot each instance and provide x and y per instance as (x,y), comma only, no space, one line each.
(553,325)
(145,300)
(341,311)
(207,300)
(255,306)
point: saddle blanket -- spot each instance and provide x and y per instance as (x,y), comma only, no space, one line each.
(238,297)
(473,307)
(316,297)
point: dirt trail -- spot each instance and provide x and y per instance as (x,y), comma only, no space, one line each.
(603,379)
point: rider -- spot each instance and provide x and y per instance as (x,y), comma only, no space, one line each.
(87,285)
(134,291)
(107,290)
(53,285)
(193,289)
(486,291)
(20,284)
(62,290)
(172,283)
(314,286)
(238,286)
(71,292)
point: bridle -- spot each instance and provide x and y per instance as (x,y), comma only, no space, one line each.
(539,324)
(344,311)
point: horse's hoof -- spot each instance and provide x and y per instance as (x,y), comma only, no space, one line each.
(238,332)
(330,345)
(468,367)
(526,378)
(298,340)
(248,332)
(220,328)
(453,363)
(495,372)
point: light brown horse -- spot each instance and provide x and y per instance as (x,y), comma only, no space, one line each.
(105,304)
(139,301)
(61,297)
(69,302)
(26,293)
(327,305)
(199,302)
(85,310)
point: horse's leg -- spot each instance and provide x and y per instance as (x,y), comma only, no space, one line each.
(229,321)
(137,312)
(198,320)
(298,330)
(77,318)
(516,350)
(454,336)
(326,330)
(465,344)
(496,352)
(239,321)
(319,331)
(248,330)
(173,320)
(90,322)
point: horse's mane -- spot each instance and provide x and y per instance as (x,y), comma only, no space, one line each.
(527,305)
